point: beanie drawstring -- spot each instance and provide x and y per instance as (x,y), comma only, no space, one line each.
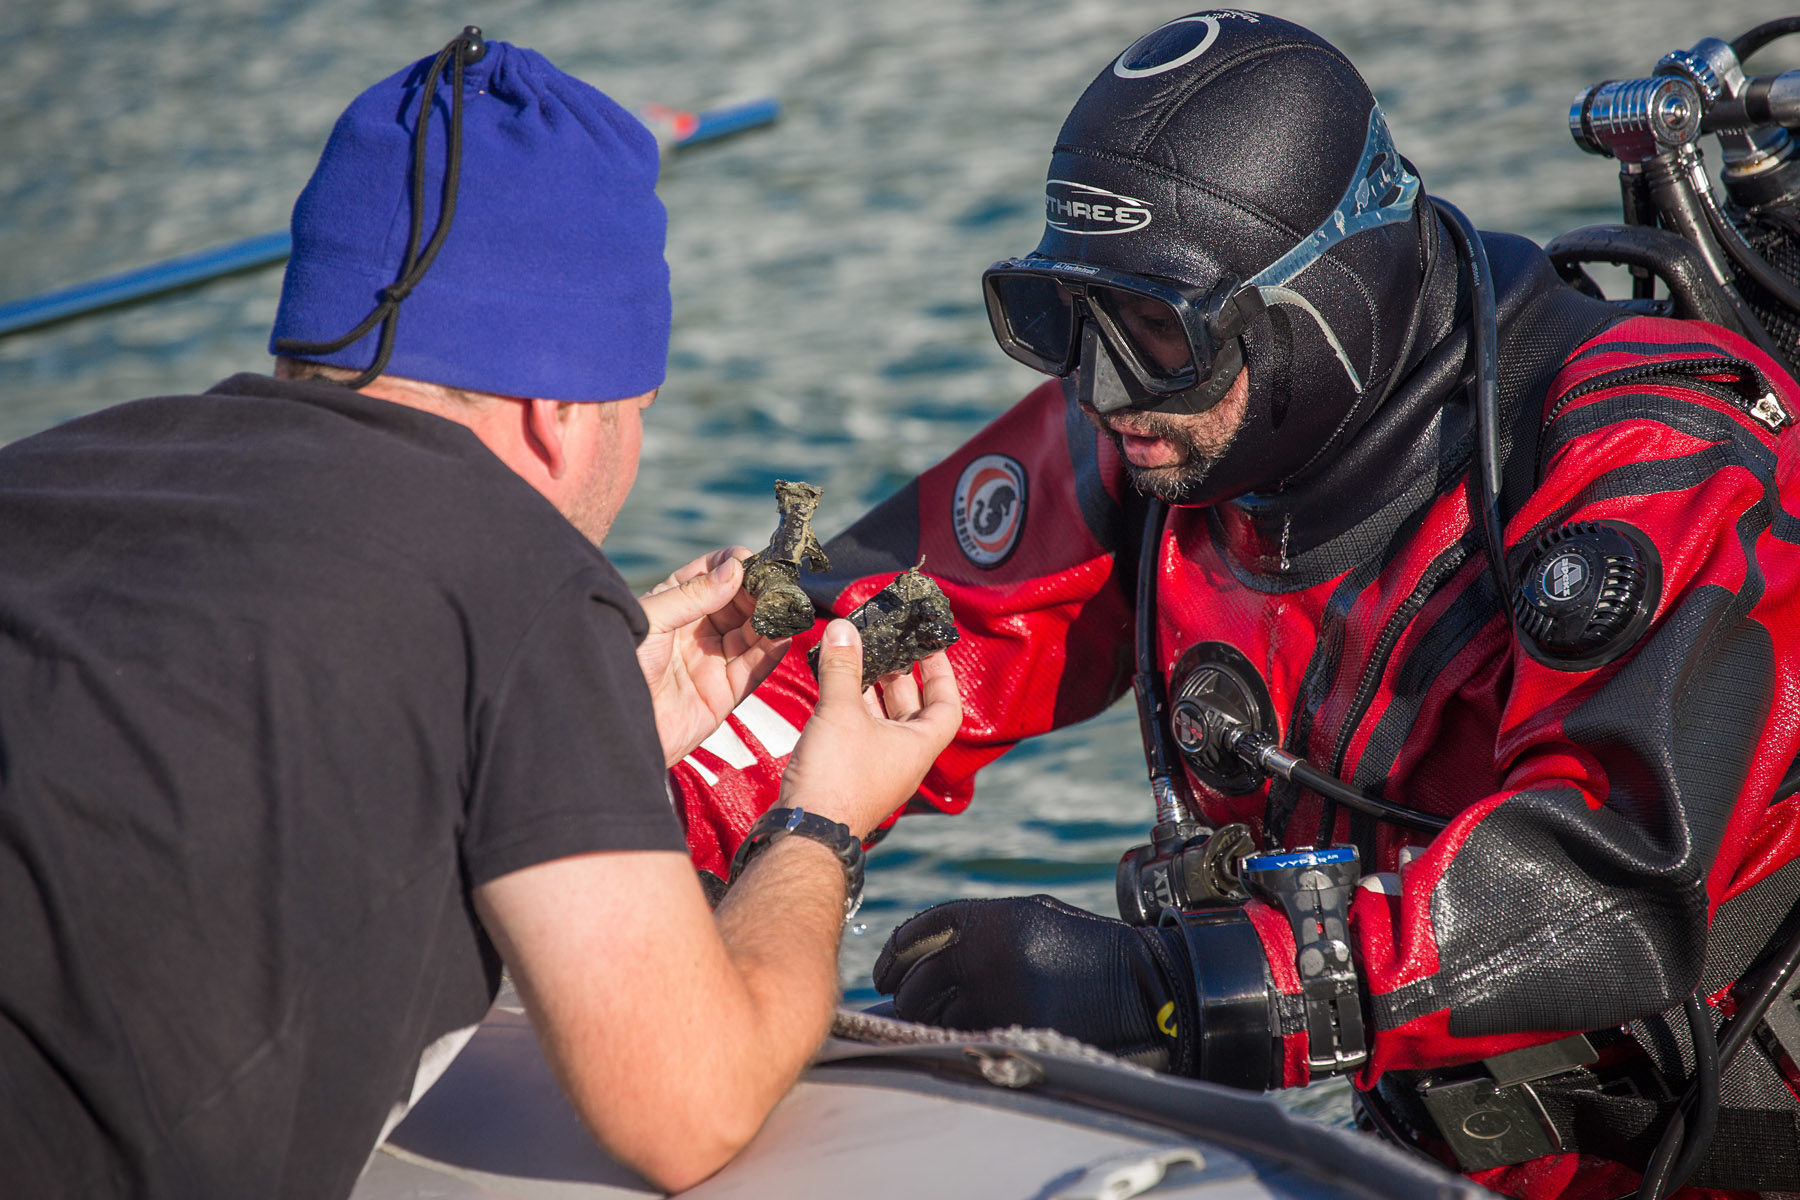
(465,48)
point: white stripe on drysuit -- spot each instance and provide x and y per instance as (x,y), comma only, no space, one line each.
(773,731)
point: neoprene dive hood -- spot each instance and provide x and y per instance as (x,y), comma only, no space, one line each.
(1232,148)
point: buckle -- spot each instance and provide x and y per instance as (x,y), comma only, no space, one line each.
(1496,1119)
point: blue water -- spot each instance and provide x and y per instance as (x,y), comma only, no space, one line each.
(828,320)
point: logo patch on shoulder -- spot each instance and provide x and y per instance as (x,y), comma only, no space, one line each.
(988,509)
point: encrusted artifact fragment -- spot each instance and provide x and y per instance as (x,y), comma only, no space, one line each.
(773,575)
(902,623)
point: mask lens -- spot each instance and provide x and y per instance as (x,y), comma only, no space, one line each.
(1033,319)
(1152,333)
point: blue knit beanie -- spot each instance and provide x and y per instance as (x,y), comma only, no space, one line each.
(551,282)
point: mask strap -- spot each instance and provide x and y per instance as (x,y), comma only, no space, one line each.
(1382,191)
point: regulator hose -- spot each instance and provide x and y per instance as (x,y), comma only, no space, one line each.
(1258,748)
(1704,1095)
(1744,45)
(1679,1151)
(1147,683)
(1686,208)
(1483,340)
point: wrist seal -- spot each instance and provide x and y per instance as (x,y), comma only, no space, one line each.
(1233,1042)
(778,823)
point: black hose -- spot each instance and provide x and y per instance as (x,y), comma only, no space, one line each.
(1680,1150)
(1746,256)
(1741,252)
(1659,254)
(1681,213)
(1152,700)
(1743,1023)
(1333,788)
(1724,1051)
(1259,748)
(1484,338)
(1744,45)
(1662,1160)
(1706,1103)
(1687,215)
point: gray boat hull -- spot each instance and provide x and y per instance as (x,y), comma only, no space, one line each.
(883,1123)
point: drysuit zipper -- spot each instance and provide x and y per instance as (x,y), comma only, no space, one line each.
(1750,393)
(1441,569)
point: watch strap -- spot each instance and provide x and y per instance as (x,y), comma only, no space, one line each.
(778,823)
(1312,889)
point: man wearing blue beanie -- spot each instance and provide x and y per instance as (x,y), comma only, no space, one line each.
(318,700)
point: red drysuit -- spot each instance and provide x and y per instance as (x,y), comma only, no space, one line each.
(1601,816)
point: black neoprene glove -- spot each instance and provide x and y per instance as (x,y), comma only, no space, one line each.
(1037,962)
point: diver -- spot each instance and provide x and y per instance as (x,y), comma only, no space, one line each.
(1533,619)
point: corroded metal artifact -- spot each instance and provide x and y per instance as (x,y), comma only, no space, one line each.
(902,623)
(773,575)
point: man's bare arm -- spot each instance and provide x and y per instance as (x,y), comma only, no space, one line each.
(675,1030)
(671,1049)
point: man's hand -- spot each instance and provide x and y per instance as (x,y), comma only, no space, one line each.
(863,755)
(1037,962)
(701,657)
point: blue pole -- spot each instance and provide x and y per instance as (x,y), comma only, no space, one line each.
(128,287)
(722,122)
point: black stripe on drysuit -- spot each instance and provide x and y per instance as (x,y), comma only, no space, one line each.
(1553,916)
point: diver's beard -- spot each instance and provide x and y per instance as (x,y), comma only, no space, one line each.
(1180,484)
(1172,485)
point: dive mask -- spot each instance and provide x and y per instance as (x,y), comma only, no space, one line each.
(1169,346)
(1163,340)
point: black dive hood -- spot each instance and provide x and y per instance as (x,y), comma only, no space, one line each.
(1231,144)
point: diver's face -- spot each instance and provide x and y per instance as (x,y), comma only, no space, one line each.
(1168,455)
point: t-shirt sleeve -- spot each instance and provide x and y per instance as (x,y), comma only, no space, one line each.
(566,757)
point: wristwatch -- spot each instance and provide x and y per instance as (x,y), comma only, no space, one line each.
(1312,889)
(778,823)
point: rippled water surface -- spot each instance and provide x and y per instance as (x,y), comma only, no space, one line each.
(828,321)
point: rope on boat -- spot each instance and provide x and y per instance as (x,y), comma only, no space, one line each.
(870,1028)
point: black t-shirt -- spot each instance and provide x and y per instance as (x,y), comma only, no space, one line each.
(284,672)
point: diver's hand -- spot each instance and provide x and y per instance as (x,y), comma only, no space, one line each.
(861,755)
(1037,962)
(701,656)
